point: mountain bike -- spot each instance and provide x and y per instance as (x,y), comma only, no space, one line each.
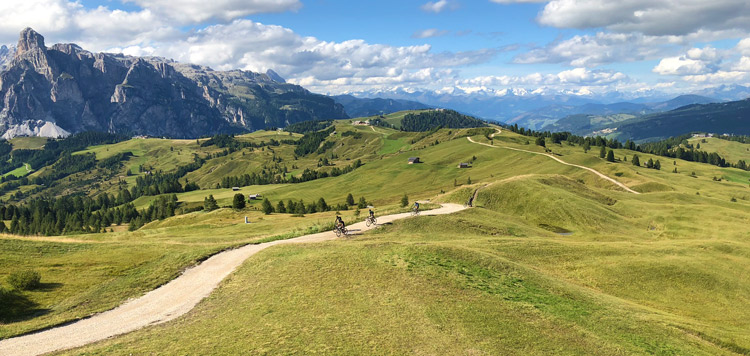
(415,212)
(341,231)
(371,221)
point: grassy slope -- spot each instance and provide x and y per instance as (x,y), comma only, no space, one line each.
(654,273)
(28,143)
(488,281)
(730,150)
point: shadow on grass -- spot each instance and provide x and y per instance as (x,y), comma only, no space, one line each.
(48,287)
(15,307)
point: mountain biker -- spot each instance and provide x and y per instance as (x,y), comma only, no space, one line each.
(339,223)
(416,206)
(372,214)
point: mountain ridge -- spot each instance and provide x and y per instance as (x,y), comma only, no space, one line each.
(77,90)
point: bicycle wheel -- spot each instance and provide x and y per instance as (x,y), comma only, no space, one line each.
(368,222)
(338,232)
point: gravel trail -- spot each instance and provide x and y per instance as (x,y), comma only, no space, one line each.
(168,301)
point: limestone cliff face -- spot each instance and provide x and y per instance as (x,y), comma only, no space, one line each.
(75,90)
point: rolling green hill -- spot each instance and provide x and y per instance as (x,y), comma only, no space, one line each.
(552,259)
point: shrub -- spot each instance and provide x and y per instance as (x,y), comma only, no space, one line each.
(25,280)
(404,201)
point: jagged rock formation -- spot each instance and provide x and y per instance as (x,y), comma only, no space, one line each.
(65,89)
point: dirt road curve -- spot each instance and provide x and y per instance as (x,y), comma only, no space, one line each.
(602,175)
(168,301)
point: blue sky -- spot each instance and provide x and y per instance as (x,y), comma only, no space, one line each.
(493,46)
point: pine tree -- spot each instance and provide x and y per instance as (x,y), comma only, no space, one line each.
(350,199)
(586,147)
(239,201)
(650,163)
(657,165)
(540,142)
(603,152)
(209,203)
(322,206)
(280,207)
(404,201)
(636,161)
(362,203)
(610,156)
(266,206)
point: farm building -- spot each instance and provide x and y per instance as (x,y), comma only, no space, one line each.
(254,196)
(464,165)
(234,189)
(413,160)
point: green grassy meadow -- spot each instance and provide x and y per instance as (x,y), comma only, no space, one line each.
(551,260)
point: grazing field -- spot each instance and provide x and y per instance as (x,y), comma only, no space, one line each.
(552,259)
(28,143)
(731,150)
(492,280)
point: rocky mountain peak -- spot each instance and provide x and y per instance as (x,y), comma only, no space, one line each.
(61,89)
(29,40)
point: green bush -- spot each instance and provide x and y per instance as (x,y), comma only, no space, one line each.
(25,280)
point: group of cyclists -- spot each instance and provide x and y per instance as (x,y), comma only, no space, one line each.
(340,226)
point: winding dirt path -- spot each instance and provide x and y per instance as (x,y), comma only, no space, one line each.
(600,174)
(170,300)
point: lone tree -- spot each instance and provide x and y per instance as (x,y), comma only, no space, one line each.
(610,156)
(362,203)
(350,199)
(586,147)
(266,206)
(239,201)
(209,203)
(636,161)
(404,201)
(603,152)
(540,142)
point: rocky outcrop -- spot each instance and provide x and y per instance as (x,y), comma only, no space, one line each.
(65,89)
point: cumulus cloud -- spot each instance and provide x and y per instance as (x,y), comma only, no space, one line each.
(429,33)
(649,17)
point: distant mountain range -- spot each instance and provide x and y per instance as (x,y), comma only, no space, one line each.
(362,107)
(541,107)
(731,118)
(65,89)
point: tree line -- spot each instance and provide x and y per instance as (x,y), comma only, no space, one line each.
(428,120)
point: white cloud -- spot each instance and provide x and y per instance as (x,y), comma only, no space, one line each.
(569,78)
(429,33)
(198,11)
(649,17)
(681,66)
(438,6)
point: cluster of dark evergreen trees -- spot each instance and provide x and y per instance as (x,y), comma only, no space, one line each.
(278,177)
(308,126)
(311,141)
(81,214)
(53,150)
(300,207)
(428,120)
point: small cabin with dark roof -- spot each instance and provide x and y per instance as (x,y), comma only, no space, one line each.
(413,160)
(464,165)
(254,196)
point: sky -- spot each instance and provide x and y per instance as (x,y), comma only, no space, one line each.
(340,46)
